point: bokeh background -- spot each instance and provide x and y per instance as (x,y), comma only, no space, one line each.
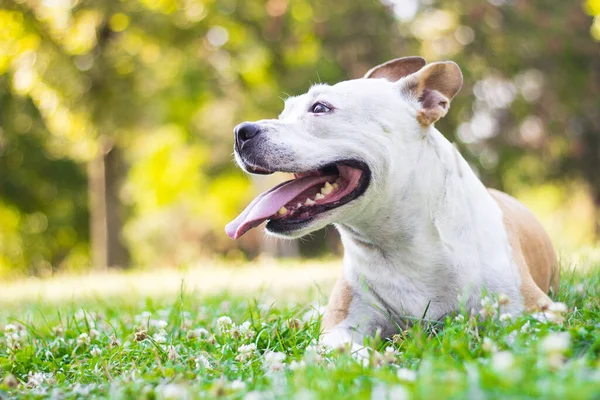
(116,116)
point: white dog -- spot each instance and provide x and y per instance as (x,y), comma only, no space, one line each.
(422,236)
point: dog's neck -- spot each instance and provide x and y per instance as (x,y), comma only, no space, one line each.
(425,222)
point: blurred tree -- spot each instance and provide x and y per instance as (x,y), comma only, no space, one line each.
(157,83)
(135,102)
(534,74)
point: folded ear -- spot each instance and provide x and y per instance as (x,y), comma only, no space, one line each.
(395,69)
(434,86)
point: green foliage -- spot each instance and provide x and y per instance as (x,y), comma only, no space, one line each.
(164,82)
(229,347)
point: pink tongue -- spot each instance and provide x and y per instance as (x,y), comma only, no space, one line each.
(268,203)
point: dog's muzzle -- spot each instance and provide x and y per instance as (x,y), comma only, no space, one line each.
(247,135)
(244,133)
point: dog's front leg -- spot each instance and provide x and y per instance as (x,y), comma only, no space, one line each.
(347,321)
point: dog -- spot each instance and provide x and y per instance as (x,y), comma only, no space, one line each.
(422,235)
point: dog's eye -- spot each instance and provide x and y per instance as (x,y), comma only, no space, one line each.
(320,108)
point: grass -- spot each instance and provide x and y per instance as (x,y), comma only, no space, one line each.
(188,345)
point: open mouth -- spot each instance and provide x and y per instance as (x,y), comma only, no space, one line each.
(297,202)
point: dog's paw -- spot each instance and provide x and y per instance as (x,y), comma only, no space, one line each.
(547,317)
(341,340)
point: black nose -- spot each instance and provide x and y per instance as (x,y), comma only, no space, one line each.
(245,131)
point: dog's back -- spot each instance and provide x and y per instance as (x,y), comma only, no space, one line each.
(531,246)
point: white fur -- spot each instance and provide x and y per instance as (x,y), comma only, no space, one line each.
(425,235)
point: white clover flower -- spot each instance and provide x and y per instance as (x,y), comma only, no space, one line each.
(312,355)
(202,361)
(237,385)
(144,315)
(489,307)
(502,361)
(172,353)
(379,391)
(459,318)
(83,339)
(506,317)
(224,324)
(160,336)
(114,342)
(554,346)
(158,323)
(89,317)
(244,327)
(13,341)
(10,381)
(398,392)
(315,352)
(245,352)
(58,330)
(313,314)
(197,333)
(388,356)
(95,351)
(94,334)
(274,361)
(246,330)
(10,328)
(503,299)
(254,395)
(38,378)
(83,390)
(172,391)
(406,375)
(556,342)
(488,345)
(187,323)
(295,365)
(80,314)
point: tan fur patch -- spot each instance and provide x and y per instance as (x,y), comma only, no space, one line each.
(339,304)
(532,251)
(434,86)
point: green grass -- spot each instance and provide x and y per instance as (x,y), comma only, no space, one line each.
(183,347)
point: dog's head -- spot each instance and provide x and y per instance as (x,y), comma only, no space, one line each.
(343,143)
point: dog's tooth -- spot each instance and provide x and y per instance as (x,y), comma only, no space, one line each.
(309,202)
(282,211)
(319,196)
(327,188)
(299,205)
(335,186)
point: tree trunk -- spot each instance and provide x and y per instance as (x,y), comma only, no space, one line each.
(596,198)
(105,174)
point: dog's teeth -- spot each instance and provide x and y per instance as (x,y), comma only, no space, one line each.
(327,188)
(319,196)
(282,211)
(299,205)
(335,185)
(309,202)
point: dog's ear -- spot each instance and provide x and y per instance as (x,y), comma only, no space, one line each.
(434,86)
(395,69)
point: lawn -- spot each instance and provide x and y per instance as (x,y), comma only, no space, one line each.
(190,343)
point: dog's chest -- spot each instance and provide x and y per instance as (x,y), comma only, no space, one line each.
(405,289)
